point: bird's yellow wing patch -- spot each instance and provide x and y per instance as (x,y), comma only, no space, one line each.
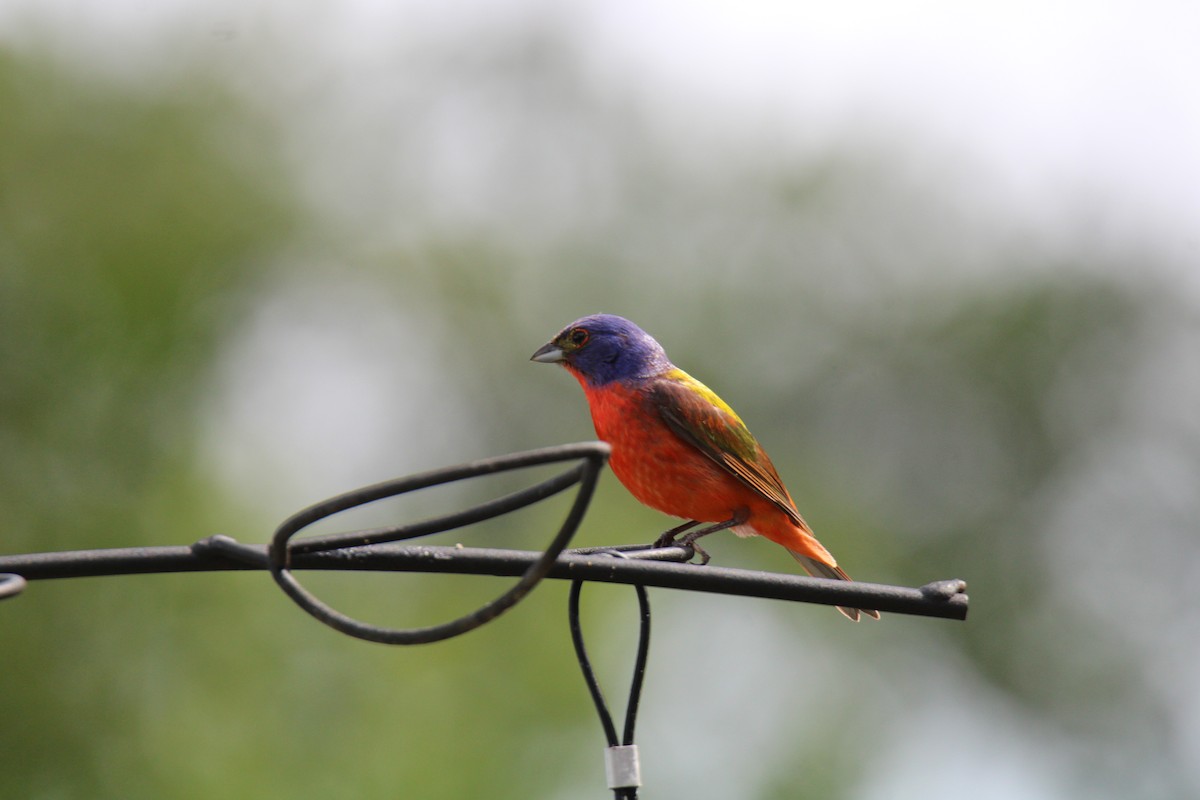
(700,417)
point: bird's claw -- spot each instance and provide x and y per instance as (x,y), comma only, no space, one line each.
(667,538)
(689,541)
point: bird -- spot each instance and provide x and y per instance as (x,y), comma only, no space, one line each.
(678,447)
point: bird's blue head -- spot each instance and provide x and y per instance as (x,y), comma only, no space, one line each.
(603,348)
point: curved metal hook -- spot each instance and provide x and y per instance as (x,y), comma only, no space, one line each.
(593,456)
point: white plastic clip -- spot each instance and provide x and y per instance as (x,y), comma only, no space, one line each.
(621,767)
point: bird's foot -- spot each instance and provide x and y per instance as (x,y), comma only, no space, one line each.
(690,541)
(667,538)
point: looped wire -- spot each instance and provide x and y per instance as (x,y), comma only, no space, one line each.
(621,757)
(592,457)
(11,585)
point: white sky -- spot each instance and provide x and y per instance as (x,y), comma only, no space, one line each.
(1058,102)
(1080,97)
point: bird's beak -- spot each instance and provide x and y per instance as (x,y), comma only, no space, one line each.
(549,353)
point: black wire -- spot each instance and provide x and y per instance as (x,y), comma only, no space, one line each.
(585,664)
(639,669)
(589,674)
(592,455)
(492,508)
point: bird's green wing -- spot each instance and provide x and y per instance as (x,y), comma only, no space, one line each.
(698,416)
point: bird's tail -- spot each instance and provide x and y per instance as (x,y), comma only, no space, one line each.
(821,570)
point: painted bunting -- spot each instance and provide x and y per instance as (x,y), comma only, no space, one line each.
(679,448)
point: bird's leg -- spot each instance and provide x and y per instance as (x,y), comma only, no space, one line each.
(689,540)
(668,538)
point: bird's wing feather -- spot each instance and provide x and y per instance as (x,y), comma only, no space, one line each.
(696,414)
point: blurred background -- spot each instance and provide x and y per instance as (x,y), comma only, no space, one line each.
(942,259)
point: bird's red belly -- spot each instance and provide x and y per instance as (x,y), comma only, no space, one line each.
(659,468)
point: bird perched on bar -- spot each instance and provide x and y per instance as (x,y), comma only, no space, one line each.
(678,447)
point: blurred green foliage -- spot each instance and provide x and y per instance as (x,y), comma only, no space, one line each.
(129,239)
(929,427)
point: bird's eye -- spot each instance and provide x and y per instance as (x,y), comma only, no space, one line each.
(578,337)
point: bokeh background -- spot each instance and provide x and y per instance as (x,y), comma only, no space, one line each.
(943,258)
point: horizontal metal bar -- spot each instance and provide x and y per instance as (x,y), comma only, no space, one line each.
(944,599)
